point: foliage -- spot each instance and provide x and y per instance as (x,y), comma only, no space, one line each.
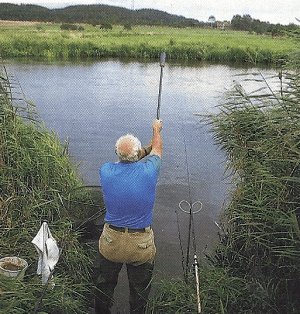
(38,182)
(259,133)
(247,23)
(173,296)
(28,12)
(20,296)
(127,26)
(106,26)
(67,26)
(97,14)
(220,292)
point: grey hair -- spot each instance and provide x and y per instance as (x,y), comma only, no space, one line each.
(131,157)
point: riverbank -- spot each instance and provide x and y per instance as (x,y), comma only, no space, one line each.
(51,42)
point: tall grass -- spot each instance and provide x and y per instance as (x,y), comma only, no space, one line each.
(260,134)
(220,292)
(50,42)
(39,182)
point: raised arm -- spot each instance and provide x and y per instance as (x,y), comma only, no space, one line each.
(155,145)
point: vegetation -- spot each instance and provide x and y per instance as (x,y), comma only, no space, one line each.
(255,268)
(38,182)
(50,42)
(89,31)
(261,240)
(66,26)
(220,292)
(247,23)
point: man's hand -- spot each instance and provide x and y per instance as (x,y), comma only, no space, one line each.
(157,126)
(157,147)
(156,139)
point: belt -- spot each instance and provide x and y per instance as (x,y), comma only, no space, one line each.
(123,229)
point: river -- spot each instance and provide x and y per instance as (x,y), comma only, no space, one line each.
(94,103)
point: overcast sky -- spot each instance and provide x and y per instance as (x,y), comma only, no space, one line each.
(273,11)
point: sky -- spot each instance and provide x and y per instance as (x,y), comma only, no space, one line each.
(273,11)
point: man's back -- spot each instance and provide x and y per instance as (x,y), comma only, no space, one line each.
(129,191)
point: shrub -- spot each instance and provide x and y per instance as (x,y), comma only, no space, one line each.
(66,26)
(127,26)
(106,26)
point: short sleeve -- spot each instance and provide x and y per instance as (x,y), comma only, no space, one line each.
(156,160)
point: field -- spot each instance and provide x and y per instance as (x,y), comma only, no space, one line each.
(50,42)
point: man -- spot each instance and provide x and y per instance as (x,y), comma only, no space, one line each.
(129,194)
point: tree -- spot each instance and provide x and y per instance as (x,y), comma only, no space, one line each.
(106,26)
(127,26)
(242,23)
(212,20)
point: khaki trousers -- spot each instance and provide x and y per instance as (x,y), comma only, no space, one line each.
(137,250)
(134,248)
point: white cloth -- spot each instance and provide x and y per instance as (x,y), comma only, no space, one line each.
(48,251)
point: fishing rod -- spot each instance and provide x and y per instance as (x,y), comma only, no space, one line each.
(197,283)
(191,211)
(162,64)
(191,230)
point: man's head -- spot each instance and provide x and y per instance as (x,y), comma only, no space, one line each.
(127,148)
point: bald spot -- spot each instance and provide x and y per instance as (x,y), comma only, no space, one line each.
(126,146)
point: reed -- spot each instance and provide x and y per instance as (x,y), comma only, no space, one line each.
(259,133)
(50,42)
(38,182)
(220,292)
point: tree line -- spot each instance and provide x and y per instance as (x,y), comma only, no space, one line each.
(92,14)
(104,15)
(247,23)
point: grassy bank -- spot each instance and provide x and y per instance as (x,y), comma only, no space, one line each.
(49,42)
(38,182)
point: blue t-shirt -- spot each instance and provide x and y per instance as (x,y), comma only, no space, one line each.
(129,191)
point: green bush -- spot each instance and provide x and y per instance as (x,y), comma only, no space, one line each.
(67,26)
(106,26)
(127,27)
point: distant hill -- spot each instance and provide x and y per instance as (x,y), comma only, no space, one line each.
(92,14)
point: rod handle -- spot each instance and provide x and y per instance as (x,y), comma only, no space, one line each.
(162,59)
